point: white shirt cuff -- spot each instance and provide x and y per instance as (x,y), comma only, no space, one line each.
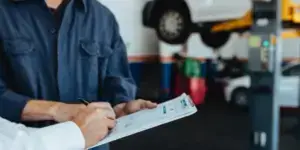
(62,136)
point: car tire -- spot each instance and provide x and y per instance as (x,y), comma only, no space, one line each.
(173,24)
(214,40)
(239,97)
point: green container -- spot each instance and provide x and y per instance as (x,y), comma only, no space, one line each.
(191,68)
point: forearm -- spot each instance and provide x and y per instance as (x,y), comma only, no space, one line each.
(36,110)
(16,106)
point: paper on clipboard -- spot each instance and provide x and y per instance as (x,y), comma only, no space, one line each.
(174,109)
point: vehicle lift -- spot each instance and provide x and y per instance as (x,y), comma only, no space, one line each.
(265,56)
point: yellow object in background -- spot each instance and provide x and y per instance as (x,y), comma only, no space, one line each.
(290,12)
(244,22)
(290,33)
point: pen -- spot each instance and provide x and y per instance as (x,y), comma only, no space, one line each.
(85,102)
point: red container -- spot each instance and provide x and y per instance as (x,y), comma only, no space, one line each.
(181,85)
(195,87)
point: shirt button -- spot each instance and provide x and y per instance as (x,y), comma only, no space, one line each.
(53,30)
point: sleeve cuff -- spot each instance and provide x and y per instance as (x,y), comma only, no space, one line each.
(118,89)
(12,105)
(122,99)
(61,136)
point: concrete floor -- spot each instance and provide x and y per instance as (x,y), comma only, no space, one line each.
(215,127)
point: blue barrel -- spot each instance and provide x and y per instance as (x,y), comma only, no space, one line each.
(165,82)
(135,68)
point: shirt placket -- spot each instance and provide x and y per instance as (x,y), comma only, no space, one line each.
(62,45)
(58,18)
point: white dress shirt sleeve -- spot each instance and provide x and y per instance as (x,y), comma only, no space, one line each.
(62,136)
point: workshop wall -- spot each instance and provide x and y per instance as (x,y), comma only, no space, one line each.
(141,42)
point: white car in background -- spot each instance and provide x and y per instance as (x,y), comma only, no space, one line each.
(215,20)
(236,89)
(174,20)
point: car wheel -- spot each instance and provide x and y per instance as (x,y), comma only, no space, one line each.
(173,24)
(239,97)
(215,40)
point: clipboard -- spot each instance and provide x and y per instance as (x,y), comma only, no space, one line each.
(166,112)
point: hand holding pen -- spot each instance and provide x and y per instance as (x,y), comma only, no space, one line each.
(95,121)
(100,105)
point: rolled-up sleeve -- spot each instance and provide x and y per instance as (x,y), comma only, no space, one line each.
(118,83)
(11,103)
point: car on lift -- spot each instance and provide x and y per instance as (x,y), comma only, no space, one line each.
(236,89)
(174,20)
(215,20)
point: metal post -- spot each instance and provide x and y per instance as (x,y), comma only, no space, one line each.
(265,67)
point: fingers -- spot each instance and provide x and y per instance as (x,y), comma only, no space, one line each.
(151,105)
(105,108)
(100,105)
(110,123)
(110,114)
(147,104)
(105,113)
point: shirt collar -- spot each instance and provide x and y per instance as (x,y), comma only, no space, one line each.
(81,4)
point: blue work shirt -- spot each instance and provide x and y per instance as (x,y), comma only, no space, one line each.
(86,58)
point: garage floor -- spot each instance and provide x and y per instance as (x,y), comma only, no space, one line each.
(215,127)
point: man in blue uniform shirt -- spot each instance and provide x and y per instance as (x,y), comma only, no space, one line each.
(55,52)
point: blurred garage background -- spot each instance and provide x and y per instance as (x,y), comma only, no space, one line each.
(163,70)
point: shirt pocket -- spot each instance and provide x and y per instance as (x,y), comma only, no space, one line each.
(92,64)
(94,49)
(93,55)
(20,53)
(18,47)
